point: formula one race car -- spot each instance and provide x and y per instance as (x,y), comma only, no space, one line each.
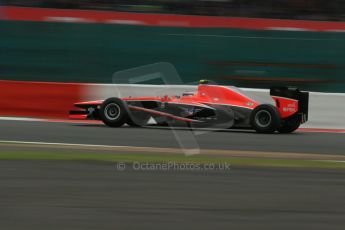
(211,106)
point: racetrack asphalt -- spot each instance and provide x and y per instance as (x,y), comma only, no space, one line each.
(38,194)
(95,195)
(163,137)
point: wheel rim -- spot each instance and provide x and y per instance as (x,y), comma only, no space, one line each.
(263,118)
(112,111)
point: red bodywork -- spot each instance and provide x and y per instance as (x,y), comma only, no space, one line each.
(286,106)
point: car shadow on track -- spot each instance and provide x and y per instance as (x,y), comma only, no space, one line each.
(152,127)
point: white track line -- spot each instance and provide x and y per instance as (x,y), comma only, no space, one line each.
(20,119)
(68,144)
(331,161)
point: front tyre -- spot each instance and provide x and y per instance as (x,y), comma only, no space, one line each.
(265,118)
(113,112)
(290,124)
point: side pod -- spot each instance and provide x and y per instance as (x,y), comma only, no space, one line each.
(283,94)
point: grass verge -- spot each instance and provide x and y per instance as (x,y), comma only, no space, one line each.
(167,158)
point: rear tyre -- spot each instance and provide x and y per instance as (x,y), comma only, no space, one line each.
(289,125)
(113,112)
(265,118)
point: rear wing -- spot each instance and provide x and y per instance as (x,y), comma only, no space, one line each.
(296,94)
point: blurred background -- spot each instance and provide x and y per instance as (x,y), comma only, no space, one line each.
(290,9)
(256,43)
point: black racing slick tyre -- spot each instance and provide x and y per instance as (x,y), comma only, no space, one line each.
(265,118)
(290,124)
(113,112)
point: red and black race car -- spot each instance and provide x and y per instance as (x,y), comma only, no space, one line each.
(211,106)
